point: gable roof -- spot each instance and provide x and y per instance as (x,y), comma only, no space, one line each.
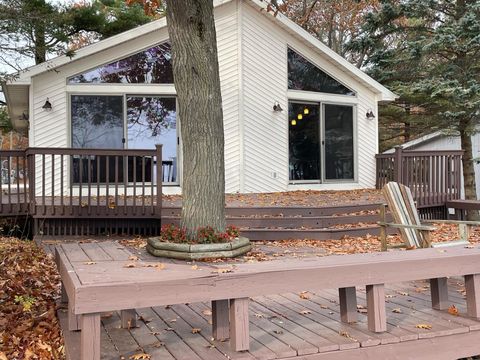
(382,92)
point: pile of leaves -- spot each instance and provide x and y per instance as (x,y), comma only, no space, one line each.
(205,235)
(29,287)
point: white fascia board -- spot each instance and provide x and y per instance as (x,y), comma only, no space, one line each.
(383,93)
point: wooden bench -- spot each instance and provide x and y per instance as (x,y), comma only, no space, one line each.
(462,206)
(97,278)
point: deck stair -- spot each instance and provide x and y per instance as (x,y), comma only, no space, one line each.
(279,223)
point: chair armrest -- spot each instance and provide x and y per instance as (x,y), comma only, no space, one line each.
(403,226)
(456,222)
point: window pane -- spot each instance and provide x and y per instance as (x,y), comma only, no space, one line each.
(338,142)
(303,75)
(97,121)
(304,146)
(151,66)
(151,121)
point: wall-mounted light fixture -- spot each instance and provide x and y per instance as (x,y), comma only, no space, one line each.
(277,107)
(306,111)
(293,122)
(47,106)
(370,115)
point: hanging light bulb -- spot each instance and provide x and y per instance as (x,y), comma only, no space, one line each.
(294,122)
(299,116)
(306,111)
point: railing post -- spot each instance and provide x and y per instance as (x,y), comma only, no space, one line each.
(31,180)
(158,209)
(398,165)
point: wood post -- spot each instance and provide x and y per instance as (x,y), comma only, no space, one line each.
(383,228)
(158,207)
(348,304)
(220,319)
(129,318)
(377,317)
(73,320)
(398,165)
(472,287)
(90,337)
(239,325)
(64,296)
(439,293)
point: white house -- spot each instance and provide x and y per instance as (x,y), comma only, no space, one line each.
(438,141)
(295,112)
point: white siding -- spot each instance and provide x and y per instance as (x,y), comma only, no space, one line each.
(264,71)
(52,129)
(252,52)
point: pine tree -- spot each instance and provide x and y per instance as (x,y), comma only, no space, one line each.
(428,52)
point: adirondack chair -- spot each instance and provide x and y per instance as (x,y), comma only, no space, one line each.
(405,216)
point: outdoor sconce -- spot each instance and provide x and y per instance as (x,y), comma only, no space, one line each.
(47,106)
(277,107)
(299,116)
(294,122)
(369,115)
(306,111)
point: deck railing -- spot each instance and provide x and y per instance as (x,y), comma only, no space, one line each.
(52,182)
(433,176)
(13,182)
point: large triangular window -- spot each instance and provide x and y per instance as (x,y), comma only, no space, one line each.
(303,75)
(151,66)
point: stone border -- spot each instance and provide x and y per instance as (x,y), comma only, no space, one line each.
(236,247)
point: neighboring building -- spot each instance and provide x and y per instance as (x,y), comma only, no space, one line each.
(441,141)
(119,93)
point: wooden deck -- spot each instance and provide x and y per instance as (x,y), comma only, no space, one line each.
(287,326)
(290,326)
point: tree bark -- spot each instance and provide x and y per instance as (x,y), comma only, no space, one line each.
(192,34)
(468,172)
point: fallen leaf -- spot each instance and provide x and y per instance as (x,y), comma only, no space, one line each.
(279,332)
(424,326)
(304,295)
(141,356)
(397,310)
(207,312)
(3,356)
(469,247)
(453,310)
(130,265)
(305,312)
(196,330)
(89,263)
(133,258)
(194,267)
(223,271)
(258,315)
(403,293)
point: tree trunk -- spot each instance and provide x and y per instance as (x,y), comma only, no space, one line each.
(195,68)
(468,172)
(40,48)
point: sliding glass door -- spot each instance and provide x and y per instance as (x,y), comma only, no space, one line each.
(338,134)
(321,143)
(124,121)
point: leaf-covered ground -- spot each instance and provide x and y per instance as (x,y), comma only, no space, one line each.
(294,198)
(29,287)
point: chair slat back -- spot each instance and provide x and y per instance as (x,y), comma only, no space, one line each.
(400,202)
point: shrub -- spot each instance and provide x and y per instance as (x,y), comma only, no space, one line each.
(205,235)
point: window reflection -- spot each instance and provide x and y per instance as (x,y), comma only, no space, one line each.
(338,142)
(151,66)
(304,144)
(151,121)
(303,75)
